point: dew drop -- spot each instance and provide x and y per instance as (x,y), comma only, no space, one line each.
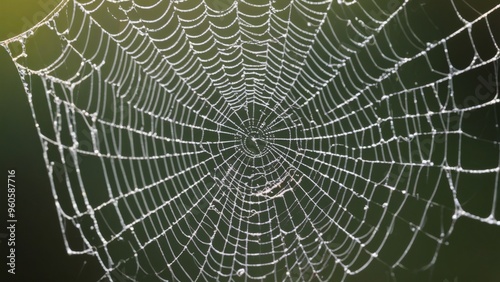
(240,272)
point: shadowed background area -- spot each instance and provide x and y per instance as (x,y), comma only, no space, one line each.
(40,251)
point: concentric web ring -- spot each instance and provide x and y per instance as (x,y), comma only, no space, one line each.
(265,140)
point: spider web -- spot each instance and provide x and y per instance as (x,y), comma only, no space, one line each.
(280,140)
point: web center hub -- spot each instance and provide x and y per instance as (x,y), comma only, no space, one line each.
(255,142)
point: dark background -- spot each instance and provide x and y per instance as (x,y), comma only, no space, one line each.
(473,252)
(40,250)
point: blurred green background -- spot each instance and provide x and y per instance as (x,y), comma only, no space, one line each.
(40,251)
